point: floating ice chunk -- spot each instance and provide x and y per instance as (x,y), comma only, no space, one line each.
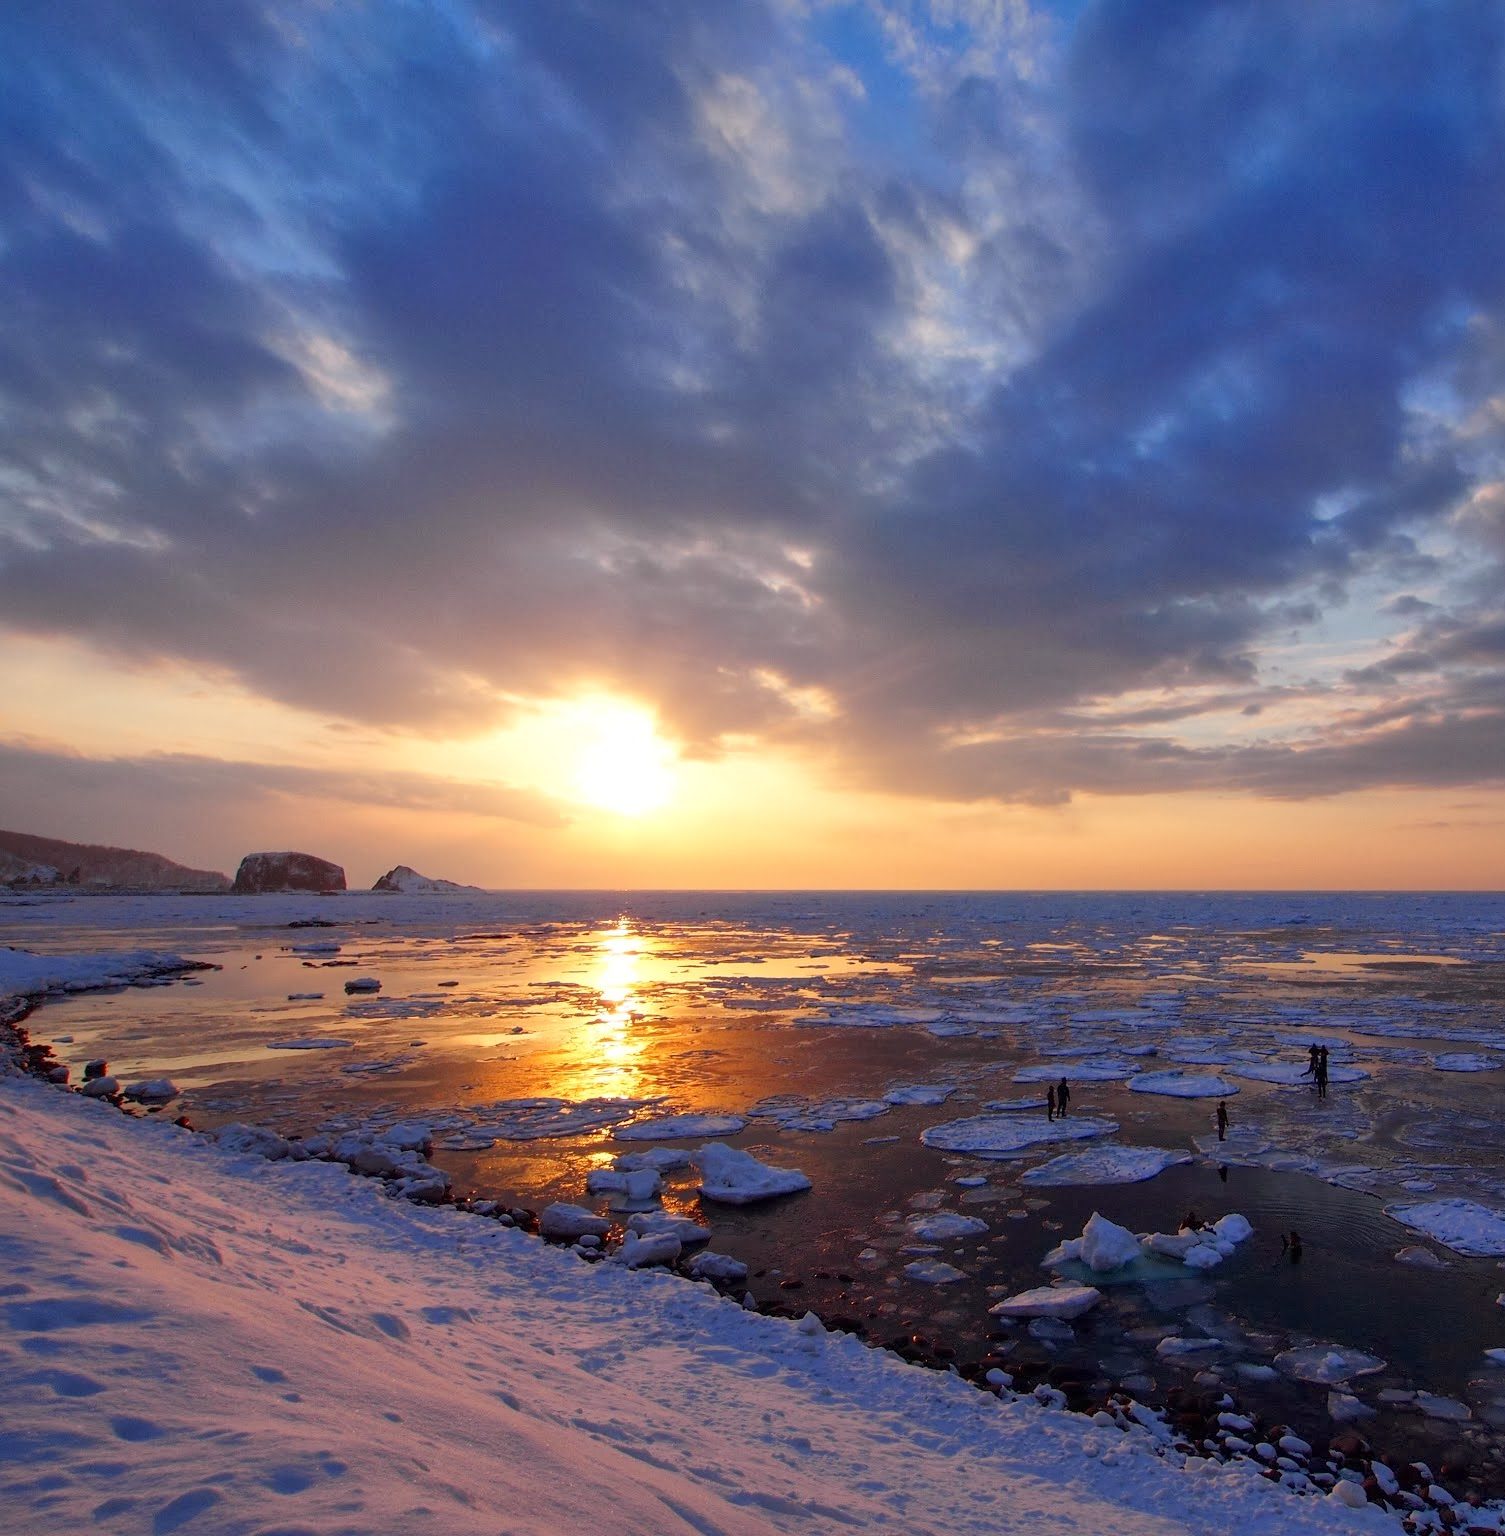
(736,1177)
(1093,1069)
(363,984)
(920,1093)
(1461,1225)
(1422,1258)
(1106,1245)
(1328,1364)
(871,1016)
(571,1221)
(1105,1165)
(1233,1228)
(635,1190)
(1182,1085)
(660,1159)
(1008,1135)
(793,1113)
(681,1127)
(542,1118)
(687,1231)
(1293,1074)
(945,1226)
(312,1043)
(1175,1345)
(408,1136)
(1011,1106)
(1442,1407)
(933,1272)
(305,997)
(717,1266)
(947,1028)
(1049,1301)
(1495,1356)
(1343,1408)
(1466,1061)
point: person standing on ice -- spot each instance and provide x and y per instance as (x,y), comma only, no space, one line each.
(1222,1119)
(1063,1098)
(1313,1051)
(1322,1074)
(1050,1102)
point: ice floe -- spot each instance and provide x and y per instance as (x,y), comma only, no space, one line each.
(933,1272)
(945,1226)
(1105,1165)
(1097,1069)
(999,1135)
(735,1177)
(1182,1085)
(1327,1364)
(1064,1301)
(312,1043)
(1466,1061)
(1462,1225)
(681,1127)
(540,1119)
(1293,1074)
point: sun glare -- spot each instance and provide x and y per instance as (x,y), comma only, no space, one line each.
(623,765)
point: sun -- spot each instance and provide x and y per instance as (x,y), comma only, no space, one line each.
(623,765)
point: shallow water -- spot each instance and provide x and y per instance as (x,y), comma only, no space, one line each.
(764,1005)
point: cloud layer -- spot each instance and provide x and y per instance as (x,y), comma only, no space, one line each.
(988,406)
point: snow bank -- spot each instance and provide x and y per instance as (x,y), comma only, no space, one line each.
(24,974)
(198,1342)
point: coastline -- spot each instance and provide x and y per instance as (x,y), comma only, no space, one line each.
(437,1284)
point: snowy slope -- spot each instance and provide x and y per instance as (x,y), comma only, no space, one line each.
(195,1342)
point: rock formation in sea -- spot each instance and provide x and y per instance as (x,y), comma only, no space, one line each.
(262,873)
(405,878)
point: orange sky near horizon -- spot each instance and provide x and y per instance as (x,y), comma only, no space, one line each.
(754,818)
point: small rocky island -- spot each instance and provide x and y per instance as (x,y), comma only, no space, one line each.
(404,878)
(264,873)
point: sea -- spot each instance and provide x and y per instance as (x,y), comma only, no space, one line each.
(896,1047)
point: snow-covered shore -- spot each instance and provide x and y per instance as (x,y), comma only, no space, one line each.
(195,1341)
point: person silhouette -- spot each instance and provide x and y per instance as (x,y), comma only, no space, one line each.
(1322,1073)
(1050,1102)
(1222,1119)
(1063,1098)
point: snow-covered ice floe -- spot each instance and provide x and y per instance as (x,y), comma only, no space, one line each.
(1105,1165)
(1007,1135)
(1327,1364)
(1183,1085)
(1098,1069)
(540,1119)
(1466,1061)
(312,1043)
(1461,1225)
(681,1127)
(1293,1074)
(945,1226)
(1064,1301)
(735,1177)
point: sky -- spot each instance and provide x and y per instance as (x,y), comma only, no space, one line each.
(934,443)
